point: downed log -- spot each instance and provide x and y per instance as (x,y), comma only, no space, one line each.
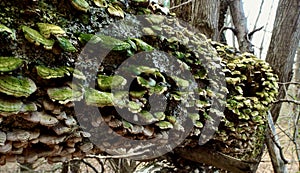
(144,86)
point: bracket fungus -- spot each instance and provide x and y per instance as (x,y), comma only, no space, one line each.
(17,86)
(8,64)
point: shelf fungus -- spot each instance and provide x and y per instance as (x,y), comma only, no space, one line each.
(98,98)
(58,72)
(65,44)
(64,95)
(80,5)
(35,37)
(101,3)
(113,43)
(14,106)
(48,73)
(110,82)
(141,45)
(47,30)
(17,86)
(41,118)
(164,125)
(8,64)
(115,10)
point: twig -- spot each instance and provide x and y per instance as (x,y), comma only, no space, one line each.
(184,3)
(275,151)
(258,15)
(250,35)
(89,165)
(274,137)
(287,100)
(265,31)
(26,168)
(289,83)
(224,28)
(284,132)
(280,151)
(117,156)
(101,164)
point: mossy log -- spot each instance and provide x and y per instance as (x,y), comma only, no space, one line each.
(52,91)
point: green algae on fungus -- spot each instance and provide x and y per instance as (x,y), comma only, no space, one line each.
(137,94)
(115,11)
(50,73)
(64,95)
(108,42)
(147,117)
(17,86)
(10,106)
(101,3)
(142,46)
(80,5)
(47,29)
(8,64)
(14,106)
(159,115)
(35,37)
(110,82)
(66,45)
(164,125)
(58,72)
(135,107)
(98,98)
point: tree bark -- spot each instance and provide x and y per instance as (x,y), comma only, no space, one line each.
(203,14)
(224,5)
(283,45)
(240,23)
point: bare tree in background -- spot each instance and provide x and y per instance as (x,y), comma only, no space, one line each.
(284,43)
(281,54)
(203,14)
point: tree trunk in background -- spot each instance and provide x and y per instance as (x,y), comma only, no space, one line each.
(283,45)
(240,24)
(281,54)
(203,14)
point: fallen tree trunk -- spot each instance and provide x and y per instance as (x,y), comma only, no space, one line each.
(82,89)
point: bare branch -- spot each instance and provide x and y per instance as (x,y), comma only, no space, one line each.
(101,165)
(224,28)
(289,83)
(89,165)
(250,35)
(265,31)
(280,149)
(177,6)
(117,156)
(258,15)
(287,100)
(274,148)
